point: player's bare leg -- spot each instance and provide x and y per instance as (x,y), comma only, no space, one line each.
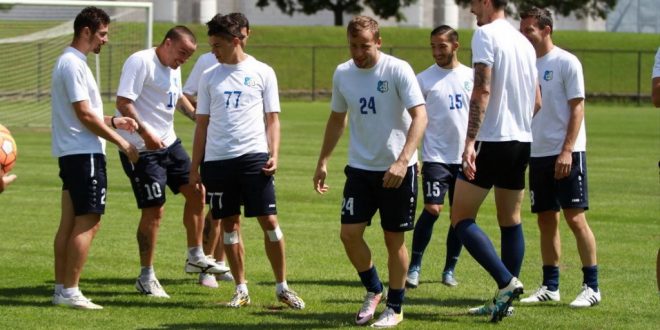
(357,250)
(147,234)
(212,235)
(84,229)
(586,242)
(62,236)
(193,214)
(235,254)
(548,222)
(467,206)
(397,259)
(274,245)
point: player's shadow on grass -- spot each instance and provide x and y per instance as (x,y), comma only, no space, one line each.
(39,295)
(260,326)
(330,283)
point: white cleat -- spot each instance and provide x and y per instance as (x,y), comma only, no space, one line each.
(225,277)
(368,309)
(388,319)
(542,294)
(151,288)
(291,299)
(205,265)
(78,302)
(412,279)
(587,298)
(207,280)
(505,298)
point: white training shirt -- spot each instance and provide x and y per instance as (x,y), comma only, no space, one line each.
(155,90)
(561,80)
(447,93)
(73,82)
(236,97)
(376,100)
(204,63)
(512,60)
(656,67)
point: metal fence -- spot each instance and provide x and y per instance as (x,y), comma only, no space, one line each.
(305,72)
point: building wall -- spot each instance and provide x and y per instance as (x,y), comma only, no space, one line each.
(629,15)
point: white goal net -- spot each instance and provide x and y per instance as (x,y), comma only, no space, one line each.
(34,33)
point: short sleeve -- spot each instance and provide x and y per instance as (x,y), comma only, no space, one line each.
(407,86)
(203,95)
(337,102)
(75,83)
(132,78)
(271,94)
(192,83)
(573,78)
(482,48)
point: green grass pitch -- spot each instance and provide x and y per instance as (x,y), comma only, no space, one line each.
(623,151)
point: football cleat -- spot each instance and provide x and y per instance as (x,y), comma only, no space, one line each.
(239,299)
(587,298)
(368,309)
(542,294)
(205,265)
(412,279)
(57,299)
(79,302)
(291,299)
(151,288)
(448,279)
(388,319)
(208,280)
(487,309)
(225,277)
(504,298)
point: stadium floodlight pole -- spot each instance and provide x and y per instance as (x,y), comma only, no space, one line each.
(147,5)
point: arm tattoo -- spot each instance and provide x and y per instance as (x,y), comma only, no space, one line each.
(479,99)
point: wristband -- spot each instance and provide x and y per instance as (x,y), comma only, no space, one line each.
(112,122)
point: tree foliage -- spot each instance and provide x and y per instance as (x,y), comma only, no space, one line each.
(580,8)
(382,8)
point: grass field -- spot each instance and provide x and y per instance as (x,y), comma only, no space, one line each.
(625,207)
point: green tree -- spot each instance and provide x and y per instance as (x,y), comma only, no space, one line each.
(382,8)
(581,8)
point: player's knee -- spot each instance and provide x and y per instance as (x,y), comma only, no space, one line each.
(230,237)
(433,209)
(275,235)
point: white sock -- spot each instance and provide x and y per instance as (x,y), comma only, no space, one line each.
(242,287)
(196,253)
(221,263)
(147,273)
(71,292)
(279,287)
(58,288)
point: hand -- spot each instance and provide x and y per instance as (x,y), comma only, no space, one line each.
(469,161)
(394,175)
(271,166)
(152,142)
(319,180)
(125,123)
(195,180)
(130,151)
(563,165)
(5,180)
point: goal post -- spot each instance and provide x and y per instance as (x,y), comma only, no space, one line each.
(33,33)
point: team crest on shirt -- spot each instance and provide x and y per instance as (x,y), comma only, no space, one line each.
(249,82)
(547,76)
(382,86)
(468,85)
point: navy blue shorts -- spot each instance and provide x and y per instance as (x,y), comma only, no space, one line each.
(364,194)
(155,169)
(437,180)
(241,180)
(500,164)
(84,176)
(548,194)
